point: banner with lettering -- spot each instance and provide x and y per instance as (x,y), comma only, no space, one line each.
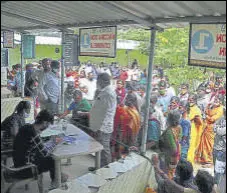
(8,39)
(207,45)
(98,41)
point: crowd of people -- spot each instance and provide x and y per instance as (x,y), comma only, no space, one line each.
(108,102)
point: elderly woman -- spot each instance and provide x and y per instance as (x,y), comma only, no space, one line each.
(126,126)
(80,108)
(170,142)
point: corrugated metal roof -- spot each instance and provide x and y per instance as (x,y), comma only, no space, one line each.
(61,14)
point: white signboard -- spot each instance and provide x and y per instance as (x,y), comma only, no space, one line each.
(8,39)
(207,45)
(3,76)
(98,41)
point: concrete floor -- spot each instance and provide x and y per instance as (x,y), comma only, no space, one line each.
(78,168)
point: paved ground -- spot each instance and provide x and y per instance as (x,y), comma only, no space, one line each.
(78,168)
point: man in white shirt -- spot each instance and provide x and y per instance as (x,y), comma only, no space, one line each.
(102,115)
(90,84)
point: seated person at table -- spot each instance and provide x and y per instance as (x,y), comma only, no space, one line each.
(80,108)
(11,124)
(28,147)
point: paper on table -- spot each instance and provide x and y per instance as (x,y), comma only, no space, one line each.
(49,132)
(118,167)
(75,186)
(107,173)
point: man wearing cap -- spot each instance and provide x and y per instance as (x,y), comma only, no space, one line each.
(102,115)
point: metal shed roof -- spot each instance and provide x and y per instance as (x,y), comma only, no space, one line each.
(25,15)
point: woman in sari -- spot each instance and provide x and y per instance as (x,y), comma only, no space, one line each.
(120,91)
(126,126)
(170,143)
(214,112)
(195,117)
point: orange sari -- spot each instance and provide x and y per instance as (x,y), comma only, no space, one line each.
(205,148)
(126,129)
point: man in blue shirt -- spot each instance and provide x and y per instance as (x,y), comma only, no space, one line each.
(163,99)
(51,87)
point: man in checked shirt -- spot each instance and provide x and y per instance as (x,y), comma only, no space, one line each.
(28,146)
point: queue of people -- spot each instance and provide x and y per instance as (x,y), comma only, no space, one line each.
(108,102)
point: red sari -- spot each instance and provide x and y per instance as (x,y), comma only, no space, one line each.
(126,129)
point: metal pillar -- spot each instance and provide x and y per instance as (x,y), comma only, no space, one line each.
(62,69)
(148,91)
(22,65)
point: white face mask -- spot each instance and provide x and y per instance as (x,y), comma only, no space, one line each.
(26,115)
(55,70)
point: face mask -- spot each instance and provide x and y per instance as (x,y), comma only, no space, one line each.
(30,70)
(208,90)
(26,115)
(191,104)
(55,70)
(162,92)
(183,91)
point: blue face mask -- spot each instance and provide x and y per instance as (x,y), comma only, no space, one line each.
(30,70)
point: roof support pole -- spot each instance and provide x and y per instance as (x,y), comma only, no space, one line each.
(22,65)
(62,69)
(148,91)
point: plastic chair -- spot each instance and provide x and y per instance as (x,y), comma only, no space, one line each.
(11,175)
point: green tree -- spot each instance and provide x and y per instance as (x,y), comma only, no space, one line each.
(171,53)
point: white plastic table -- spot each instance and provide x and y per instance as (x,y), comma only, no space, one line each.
(84,145)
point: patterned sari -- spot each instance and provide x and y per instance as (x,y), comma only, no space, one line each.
(205,148)
(126,129)
(171,148)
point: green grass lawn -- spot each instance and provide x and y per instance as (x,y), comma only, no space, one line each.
(48,51)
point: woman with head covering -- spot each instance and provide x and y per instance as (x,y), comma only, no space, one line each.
(214,112)
(126,126)
(195,117)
